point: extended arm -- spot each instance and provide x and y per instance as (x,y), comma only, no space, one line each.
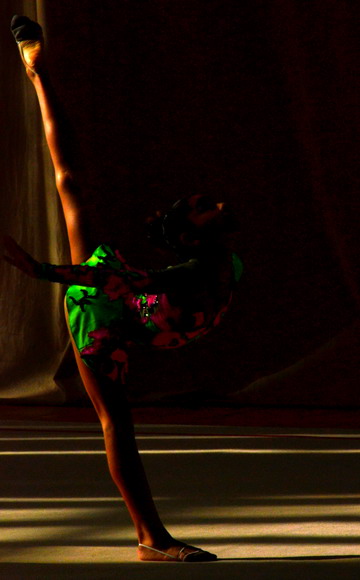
(184,276)
(82,275)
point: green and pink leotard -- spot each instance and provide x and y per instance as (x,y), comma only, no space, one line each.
(112,306)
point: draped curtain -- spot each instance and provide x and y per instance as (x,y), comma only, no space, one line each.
(254,102)
(32,329)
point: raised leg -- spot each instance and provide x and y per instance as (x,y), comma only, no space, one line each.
(28,35)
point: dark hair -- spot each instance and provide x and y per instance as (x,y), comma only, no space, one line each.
(164,229)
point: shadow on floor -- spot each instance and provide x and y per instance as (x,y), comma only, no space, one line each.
(320,569)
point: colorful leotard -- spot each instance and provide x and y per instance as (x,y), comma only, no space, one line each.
(112,305)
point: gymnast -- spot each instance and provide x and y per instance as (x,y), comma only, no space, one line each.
(110,306)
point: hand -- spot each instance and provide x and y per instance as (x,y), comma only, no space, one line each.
(20,259)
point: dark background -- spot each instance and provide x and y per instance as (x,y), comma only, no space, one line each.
(254,102)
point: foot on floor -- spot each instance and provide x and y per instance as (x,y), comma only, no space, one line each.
(176,553)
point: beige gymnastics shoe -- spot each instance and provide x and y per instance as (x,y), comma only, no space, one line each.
(181,553)
(29,38)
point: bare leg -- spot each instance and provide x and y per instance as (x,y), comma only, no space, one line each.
(128,473)
(69,191)
(106,395)
(58,139)
(123,458)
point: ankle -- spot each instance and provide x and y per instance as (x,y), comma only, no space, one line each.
(31,74)
(159,540)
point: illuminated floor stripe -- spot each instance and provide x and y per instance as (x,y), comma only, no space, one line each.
(196,451)
(181,437)
(255,498)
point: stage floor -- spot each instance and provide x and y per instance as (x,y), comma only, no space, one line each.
(272,503)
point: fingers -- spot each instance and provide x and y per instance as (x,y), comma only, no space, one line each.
(19,258)
(13,247)
(10,245)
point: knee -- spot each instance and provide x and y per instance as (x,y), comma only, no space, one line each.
(108,425)
(64,179)
(68,187)
(117,428)
(113,411)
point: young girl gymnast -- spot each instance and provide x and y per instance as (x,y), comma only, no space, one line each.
(111,307)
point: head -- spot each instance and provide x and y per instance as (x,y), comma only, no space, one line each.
(196,223)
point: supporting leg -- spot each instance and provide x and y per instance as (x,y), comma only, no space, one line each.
(124,461)
(123,458)
(127,471)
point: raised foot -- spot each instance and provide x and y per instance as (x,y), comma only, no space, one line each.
(175,553)
(29,38)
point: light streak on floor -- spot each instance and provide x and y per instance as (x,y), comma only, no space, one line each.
(240,495)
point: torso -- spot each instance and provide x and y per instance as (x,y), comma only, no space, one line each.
(164,320)
(176,318)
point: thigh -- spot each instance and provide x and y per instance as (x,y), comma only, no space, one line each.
(80,235)
(107,395)
(104,378)
(98,327)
